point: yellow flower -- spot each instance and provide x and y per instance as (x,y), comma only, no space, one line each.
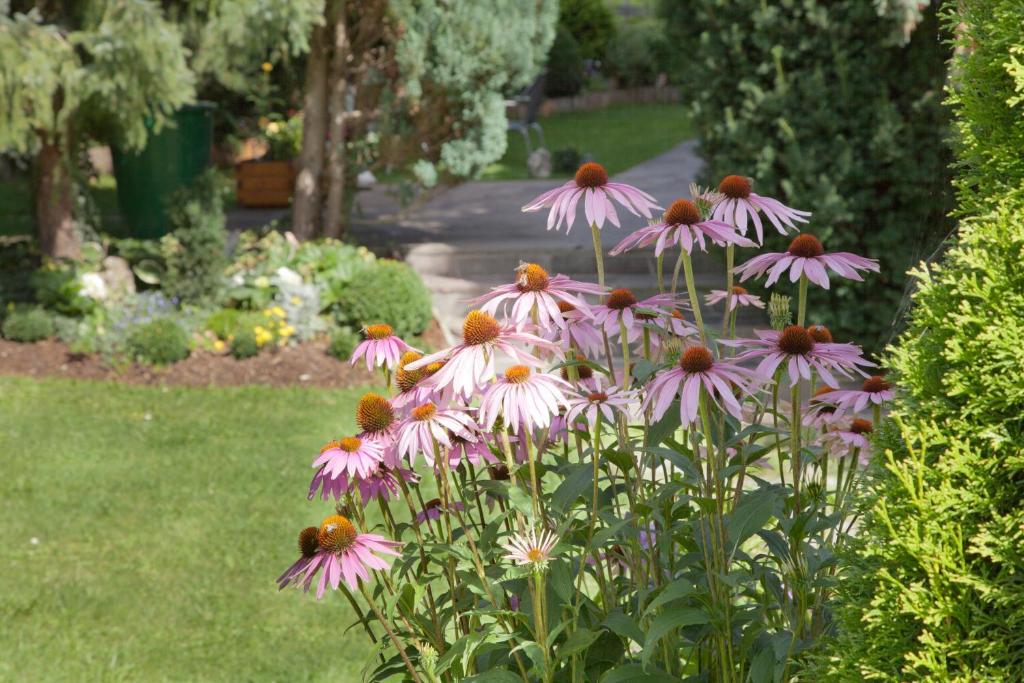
(278,311)
(219,346)
(286,331)
(296,301)
(273,127)
(262,282)
(267,67)
(263,335)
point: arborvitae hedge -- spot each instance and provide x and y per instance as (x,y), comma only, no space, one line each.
(935,588)
(829,110)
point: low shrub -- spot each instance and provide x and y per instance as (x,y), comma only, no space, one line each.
(28,325)
(637,54)
(565,72)
(385,291)
(343,343)
(161,342)
(194,253)
(224,322)
(244,344)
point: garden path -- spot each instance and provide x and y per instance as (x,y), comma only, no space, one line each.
(469,238)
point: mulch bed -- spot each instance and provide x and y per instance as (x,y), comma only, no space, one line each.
(305,364)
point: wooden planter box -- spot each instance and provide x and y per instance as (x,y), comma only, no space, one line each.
(265,183)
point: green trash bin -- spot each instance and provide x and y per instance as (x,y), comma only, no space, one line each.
(171,159)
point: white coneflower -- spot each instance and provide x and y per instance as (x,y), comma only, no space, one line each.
(529,548)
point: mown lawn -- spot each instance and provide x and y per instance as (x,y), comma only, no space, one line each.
(142,529)
(618,137)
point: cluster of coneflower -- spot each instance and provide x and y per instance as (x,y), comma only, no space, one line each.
(586,449)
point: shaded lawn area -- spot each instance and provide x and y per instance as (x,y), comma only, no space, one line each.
(162,517)
(618,137)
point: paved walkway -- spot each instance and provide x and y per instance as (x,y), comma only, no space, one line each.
(471,237)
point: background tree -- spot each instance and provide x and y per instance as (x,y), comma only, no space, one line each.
(116,71)
(423,86)
(933,590)
(834,108)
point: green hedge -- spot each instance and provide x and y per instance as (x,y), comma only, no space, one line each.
(934,589)
(385,291)
(826,107)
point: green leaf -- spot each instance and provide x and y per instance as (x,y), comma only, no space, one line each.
(572,487)
(634,673)
(750,516)
(623,626)
(665,623)
(577,641)
(494,676)
(664,427)
(762,666)
(679,588)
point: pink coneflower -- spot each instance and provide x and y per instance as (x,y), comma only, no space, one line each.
(380,484)
(381,347)
(682,224)
(577,330)
(412,389)
(672,326)
(609,401)
(536,293)
(599,197)
(697,368)
(854,434)
(476,450)
(525,399)
(470,364)
(350,456)
(739,204)
(875,391)
(806,256)
(428,427)
(818,413)
(340,552)
(797,348)
(529,548)
(376,418)
(622,304)
(432,509)
(740,297)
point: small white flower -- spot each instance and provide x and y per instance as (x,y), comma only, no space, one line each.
(94,287)
(287,276)
(529,548)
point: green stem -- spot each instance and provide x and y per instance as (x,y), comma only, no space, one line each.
(729,256)
(391,634)
(801,309)
(595,233)
(794,441)
(691,289)
(661,273)
(624,337)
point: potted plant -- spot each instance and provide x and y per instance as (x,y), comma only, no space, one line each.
(269,180)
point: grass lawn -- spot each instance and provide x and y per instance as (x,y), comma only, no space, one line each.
(618,137)
(143,527)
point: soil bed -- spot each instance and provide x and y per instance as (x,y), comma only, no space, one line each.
(305,364)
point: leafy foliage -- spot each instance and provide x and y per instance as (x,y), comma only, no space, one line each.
(385,291)
(160,342)
(463,57)
(828,110)
(28,325)
(591,24)
(343,343)
(933,591)
(564,76)
(244,344)
(194,253)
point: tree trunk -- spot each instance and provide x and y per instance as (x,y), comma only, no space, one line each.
(306,209)
(335,220)
(54,204)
